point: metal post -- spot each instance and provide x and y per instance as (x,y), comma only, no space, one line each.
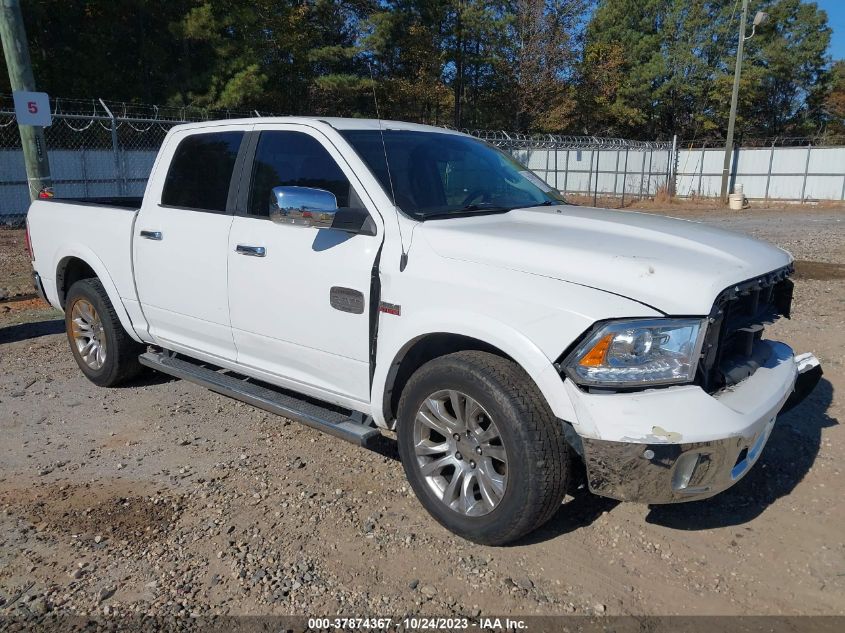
(642,176)
(701,170)
(650,163)
(672,167)
(769,173)
(734,97)
(119,178)
(85,170)
(625,176)
(616,173)
(556,171)
(597,152)
(806,170)
(566,172)
(16,51)
(547,165)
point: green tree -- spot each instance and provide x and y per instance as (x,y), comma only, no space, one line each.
(282,56)
(679,60)
(834,103)
(601,76)
(789,58)
(540,61)
(405,44)
(476,41)
(635,68)
(119,50)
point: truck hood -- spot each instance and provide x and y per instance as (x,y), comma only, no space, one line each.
(676,266)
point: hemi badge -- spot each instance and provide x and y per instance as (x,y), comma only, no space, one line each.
(389,308)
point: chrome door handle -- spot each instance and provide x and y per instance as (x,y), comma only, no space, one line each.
(151,235)
(250,251)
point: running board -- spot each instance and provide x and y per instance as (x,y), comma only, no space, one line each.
(335,421)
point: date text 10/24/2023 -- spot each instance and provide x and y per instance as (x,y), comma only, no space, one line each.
(418,623)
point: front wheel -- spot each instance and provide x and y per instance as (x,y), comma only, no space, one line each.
(481,448)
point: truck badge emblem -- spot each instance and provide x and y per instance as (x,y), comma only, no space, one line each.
(346,300)
(390,308)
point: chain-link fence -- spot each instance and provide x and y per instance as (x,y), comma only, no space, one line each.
(97,156)
(98,148)
(95,149)
(592,166)
(110,150)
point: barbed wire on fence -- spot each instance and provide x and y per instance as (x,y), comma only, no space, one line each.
(94,108)
(107,148)
(520,140)
(135,115)
(822,140)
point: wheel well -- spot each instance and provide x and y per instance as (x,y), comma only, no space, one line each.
(417,353)
(71,270)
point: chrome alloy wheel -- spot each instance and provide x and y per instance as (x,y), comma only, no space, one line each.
(460,453)
(87,333)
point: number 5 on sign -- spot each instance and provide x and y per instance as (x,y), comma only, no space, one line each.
(32,108)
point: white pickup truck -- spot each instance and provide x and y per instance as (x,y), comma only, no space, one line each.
(362,276)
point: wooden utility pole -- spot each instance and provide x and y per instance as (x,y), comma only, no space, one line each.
(729,143)
(16,50)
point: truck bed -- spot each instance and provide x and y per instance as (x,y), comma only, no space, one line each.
(95,230)
(121,202)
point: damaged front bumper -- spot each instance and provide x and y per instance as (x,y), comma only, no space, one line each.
(688,444)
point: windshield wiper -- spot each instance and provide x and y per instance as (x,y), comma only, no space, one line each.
(470,209)
(547,203)
(484,206)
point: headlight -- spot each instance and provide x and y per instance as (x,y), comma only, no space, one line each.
(638,352)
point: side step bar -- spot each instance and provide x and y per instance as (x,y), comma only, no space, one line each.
(335,421)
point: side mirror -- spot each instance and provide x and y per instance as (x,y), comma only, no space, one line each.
(305,206)
(356,221)
(302,206)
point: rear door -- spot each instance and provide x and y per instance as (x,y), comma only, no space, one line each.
(299,297)
(181,239)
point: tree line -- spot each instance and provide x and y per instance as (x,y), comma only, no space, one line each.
(633,68)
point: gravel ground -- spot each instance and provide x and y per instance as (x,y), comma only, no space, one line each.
(162,498)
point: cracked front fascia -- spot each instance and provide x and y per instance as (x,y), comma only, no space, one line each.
(587,424)
(659,434)
(686,414)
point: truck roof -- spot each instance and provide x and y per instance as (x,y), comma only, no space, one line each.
(338,123)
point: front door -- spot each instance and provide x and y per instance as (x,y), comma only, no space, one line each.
(181,243)
(299,296)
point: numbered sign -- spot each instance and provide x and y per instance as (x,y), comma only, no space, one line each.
(32,108)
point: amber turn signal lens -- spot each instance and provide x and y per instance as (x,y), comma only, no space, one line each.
(596,356)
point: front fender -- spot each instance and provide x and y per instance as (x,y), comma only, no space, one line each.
(398,336)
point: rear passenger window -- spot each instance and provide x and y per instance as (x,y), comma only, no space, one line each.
(201,170)
(298,160)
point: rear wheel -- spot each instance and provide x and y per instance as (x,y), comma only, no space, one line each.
(105,353)
(481,448)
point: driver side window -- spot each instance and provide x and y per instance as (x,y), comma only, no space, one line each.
(294,159)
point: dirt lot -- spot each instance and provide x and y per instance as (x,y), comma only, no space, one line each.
(15,271)
(164,498)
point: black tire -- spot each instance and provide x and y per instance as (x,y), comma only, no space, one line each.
(539,461)
(121,351)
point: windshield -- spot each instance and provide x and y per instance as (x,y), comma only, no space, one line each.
(439,175)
